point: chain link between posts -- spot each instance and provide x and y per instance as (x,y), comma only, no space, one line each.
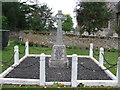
(95,69)
(11,59)
(6,62)
(107,61)
(23,51)
(40,49)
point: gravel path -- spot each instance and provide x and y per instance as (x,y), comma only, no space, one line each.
(29,69)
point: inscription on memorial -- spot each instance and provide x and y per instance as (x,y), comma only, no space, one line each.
(59,53)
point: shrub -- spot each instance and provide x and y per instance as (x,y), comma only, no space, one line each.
(74,47)
(108,49)
(69,47)
(44,33)
(31,43)
(26,31)
(22,43)
(16,42)
(113,50)
(19,43)
(80,85)
(36,44)
(86,48)
(72,35)
(42,45)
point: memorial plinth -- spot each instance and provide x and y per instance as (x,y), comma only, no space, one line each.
(59,57)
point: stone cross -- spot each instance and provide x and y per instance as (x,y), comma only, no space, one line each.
(60,17)
(59,57)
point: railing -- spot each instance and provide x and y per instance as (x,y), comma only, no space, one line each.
(74,64)
(101,62)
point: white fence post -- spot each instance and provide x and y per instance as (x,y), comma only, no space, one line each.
(74,70)
(101,56)
(118,73)
(42,69)
(91,50)
(27,48)
(16,55)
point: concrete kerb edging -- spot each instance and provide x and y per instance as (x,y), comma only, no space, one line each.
(111,75)
(36,81)
(38,55)
(11,68)
(27,81)
(19,81)
(98,82)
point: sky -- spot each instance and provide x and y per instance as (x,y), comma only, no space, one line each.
(67,7)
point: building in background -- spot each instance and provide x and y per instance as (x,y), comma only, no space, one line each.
(109,31)
(118,13)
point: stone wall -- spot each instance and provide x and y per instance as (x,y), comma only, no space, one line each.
(70,40)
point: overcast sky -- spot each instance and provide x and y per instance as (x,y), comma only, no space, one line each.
(67,6)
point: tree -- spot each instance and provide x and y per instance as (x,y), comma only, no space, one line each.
(92,16)
(37,17)
(4,22)
(67,24)
(25,16)
(11,10)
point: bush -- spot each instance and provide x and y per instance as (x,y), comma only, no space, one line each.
(97,49)
(4,20)
(36,44)
(80,85)
(44,33)
(71,47)
(22,43)
(108,49)
(42,45)
(31,43)
(86,48)
(26,31)
(113,50)
(19,42)
(72,35)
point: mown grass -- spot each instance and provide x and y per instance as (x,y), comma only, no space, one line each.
(8,52)
(111,57)
(36,87)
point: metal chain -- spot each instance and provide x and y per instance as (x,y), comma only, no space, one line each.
(9,65)
(107,61)
(41,50)
(23,51)
(9,59)
(96,69)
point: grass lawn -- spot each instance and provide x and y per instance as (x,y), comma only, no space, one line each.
(7,53)
(36,87)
